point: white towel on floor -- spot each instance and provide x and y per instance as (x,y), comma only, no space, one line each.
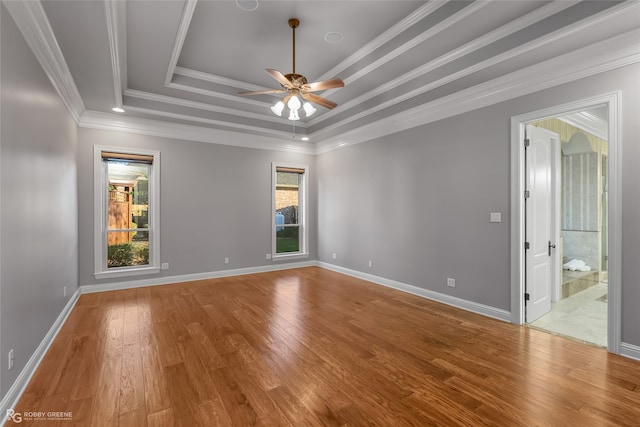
(574,264)
(569,264)
(578,265)
(584,268)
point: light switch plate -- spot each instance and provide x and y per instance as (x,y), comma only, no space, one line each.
(496,217)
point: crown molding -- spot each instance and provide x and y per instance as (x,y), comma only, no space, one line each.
(183,29)
(133,93)
(426,35)
(493,36)
(32,22)
(199,75)
(116,31)
(411,20)
(238,127)
(206,92)
(540,42)
(604,56)
(113,122)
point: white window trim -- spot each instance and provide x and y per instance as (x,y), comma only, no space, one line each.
(302,213)
(100,219)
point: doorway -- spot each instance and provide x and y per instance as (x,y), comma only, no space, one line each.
(578,291)
(603,260)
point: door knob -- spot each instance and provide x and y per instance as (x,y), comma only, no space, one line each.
(550,247)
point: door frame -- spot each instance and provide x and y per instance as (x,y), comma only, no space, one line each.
(518,123)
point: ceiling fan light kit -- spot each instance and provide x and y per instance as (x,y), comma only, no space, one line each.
(277,109)
(308,109)
(296,86)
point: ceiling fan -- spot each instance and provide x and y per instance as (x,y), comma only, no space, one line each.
(295,85)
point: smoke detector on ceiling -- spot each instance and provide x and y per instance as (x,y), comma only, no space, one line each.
(333,37)
(248,5)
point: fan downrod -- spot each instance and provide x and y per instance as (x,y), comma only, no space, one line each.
(294,23)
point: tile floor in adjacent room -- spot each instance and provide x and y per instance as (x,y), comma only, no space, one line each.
(582,316)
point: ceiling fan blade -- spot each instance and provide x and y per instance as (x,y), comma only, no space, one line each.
(261,92)
(326,84)
(319,100)
(279,77)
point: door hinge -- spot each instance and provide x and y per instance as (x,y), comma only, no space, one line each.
(526,296)
(527,194)
(527,245)
(527,142)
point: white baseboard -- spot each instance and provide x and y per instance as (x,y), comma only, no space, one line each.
(435,296)
(10,400)
(474,307)
(130,284)
(629,350)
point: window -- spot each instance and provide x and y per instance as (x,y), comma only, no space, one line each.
(289,229)
(126,206)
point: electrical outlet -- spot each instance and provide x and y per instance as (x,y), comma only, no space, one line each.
(226,260)
(10,359)
(370,263)
(268,256)
(334,256)
(451,282)
(164,265)
(64,291)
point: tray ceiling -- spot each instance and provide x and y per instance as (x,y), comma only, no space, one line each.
(177,66)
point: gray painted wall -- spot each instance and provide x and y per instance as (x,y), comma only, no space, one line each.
(215,203)
(418,203)
(38,224)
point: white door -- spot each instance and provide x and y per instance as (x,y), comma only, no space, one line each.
(538,221)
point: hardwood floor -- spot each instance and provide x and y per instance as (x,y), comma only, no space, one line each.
(311,347)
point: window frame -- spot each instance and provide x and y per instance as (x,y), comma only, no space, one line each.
(302,212)
(100,220)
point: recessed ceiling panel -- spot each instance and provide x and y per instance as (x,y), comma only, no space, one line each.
(227,41)
(81,31)
(152,27)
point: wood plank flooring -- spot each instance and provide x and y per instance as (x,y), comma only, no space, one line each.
(311,347)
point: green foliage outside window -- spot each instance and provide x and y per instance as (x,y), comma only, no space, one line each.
(128,254)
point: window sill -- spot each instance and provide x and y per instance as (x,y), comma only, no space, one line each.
(126,272)
(287,257)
